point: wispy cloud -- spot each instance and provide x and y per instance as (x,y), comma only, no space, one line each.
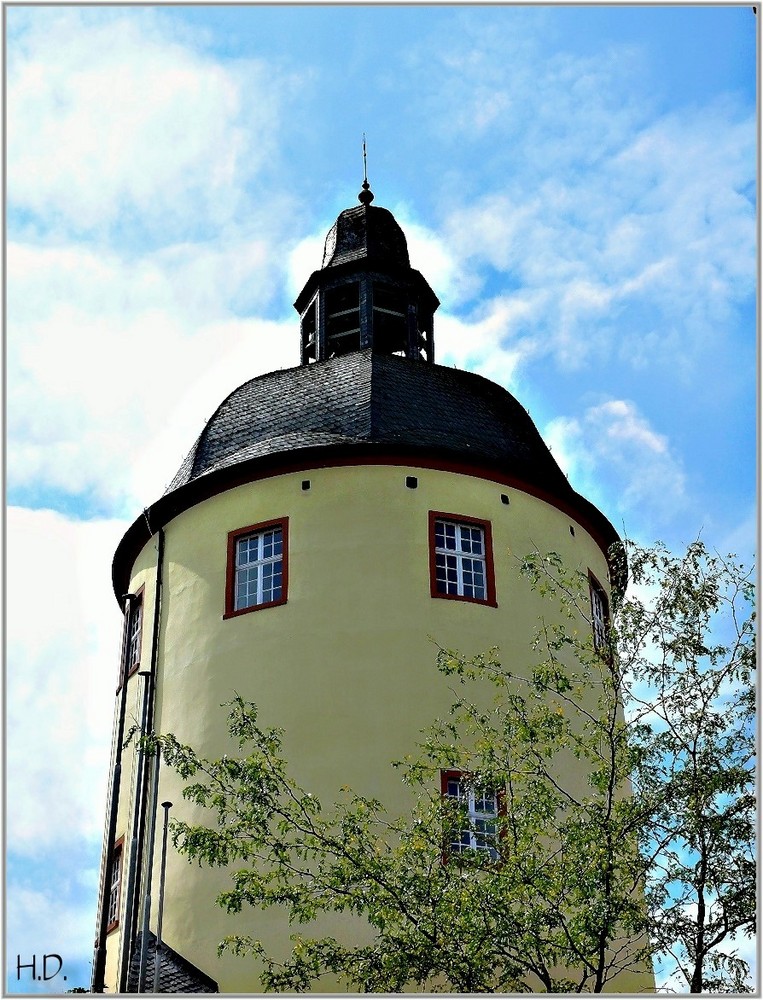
(62,670)
(613,443)
(50,911)
(143,129)
(92,333)
(638,226)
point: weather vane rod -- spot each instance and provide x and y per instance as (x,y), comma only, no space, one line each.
(366,195)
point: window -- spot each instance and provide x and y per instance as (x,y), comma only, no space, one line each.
(115,885)
(461,558)
(257,567)
(599,613)
(132,637)
(135,635)
(479,809)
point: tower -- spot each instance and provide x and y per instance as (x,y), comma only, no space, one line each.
(329,519)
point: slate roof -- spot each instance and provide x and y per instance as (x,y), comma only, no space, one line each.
(176,974)
(369,233)
(374,400)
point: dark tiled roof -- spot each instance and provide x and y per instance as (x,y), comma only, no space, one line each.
(176,974)
(369,233)
(375,400)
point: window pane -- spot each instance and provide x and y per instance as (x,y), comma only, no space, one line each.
(484,802)
(476,540)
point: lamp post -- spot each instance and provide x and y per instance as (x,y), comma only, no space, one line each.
(158,956)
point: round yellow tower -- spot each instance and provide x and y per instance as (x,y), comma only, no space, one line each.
(330,520)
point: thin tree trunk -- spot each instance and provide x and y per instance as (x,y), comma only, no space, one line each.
(699,954)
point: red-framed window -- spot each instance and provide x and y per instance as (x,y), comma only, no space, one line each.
(257,570)
(599,613)
(461,558)
(479,808)
(115,885)
(135,633)
(132,641)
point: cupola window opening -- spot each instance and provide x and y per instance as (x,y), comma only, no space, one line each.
(310,332)
(390,319)
(257,567)
(342,306)
(480,809)
(461,560)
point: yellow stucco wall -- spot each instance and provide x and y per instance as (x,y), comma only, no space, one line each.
(346,666)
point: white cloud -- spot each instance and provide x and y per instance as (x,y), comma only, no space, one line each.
(304,258)
(137,123)
(114,361)
(48,918)
(640,228)
(613,444)
(742,539)
(63,636)
(488,342)
(114,365)
(441,264)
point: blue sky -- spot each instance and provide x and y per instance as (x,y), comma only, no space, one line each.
(578,184)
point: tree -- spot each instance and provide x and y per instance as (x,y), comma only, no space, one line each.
(688,647)
(581,875)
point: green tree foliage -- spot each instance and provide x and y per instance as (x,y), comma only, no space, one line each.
(686,640)
(625,824)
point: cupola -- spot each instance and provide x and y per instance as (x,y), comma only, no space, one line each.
(366,294)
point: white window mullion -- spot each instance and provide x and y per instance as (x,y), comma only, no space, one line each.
(260,574)
(472,820)
(460,558)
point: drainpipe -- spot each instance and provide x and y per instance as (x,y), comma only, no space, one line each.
(142,783)
(131,889)
(99,963)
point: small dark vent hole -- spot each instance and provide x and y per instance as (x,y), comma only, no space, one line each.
(572,531)
(305,484)
(504,499)
(411,482)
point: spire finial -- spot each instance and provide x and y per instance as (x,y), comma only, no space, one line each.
(366,196)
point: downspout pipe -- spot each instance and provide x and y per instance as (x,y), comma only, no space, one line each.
(128,938)
(99,963)
(142,783)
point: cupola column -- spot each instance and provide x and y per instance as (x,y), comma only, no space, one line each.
(366,313)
